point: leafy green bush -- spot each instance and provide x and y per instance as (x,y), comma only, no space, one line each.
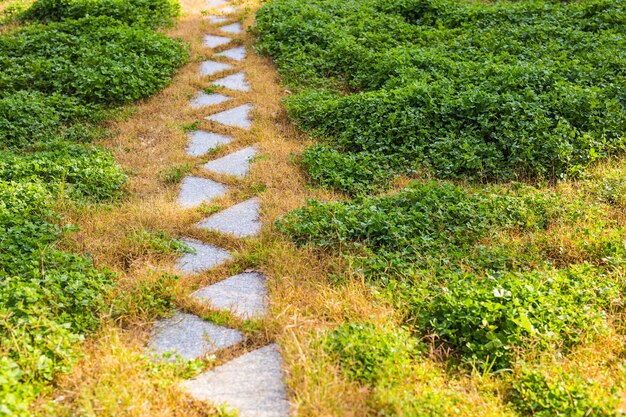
(152,13)
(81,172)
(370,354)
(465,89)
(94,59)
(561,395)
(31,117)
(486,321)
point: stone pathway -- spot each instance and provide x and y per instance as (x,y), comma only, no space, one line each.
(252,383)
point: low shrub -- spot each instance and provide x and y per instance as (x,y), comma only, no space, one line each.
(462,89)
(562,394)
(152,13)
(370,354)
(81,172)
(93,59)
(488,321)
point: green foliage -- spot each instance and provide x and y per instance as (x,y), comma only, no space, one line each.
(487,321)
(486,302)
(152,13)
(158,242)
(57,82)
(561,394)
(81,172)
(174,174)
(94,59)
(481,90)
(146,299)
(370,354)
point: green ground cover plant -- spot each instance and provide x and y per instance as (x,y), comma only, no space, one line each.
(523,90)
(151,13)
(58,83)
(515,254)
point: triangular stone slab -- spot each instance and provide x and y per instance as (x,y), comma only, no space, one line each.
(201,142)
(234,28)
(236,163)
(204,258)
(213,67)
(216,3)
(237,54)
(241,220)
(190,337)
(195,190)
(213,41)
(244,295)
(217,19)
(233,82)
(236,117)
(203,99)
(252,384)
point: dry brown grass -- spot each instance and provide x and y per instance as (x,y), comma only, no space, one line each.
(302,301)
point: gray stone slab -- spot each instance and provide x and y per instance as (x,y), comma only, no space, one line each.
(213,41)
(201,142)
(195,191)
(216,3)
(203,99)
(241,220)
(244,295)
(190,337)
(217,19)
(204,258)
(252,384)
(234,28)
(236,117)
(213,67)
(237,54)
(236,163)
(234,82)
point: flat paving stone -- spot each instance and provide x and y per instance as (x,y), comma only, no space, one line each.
(205,257)
(241,220)
(201,142)
(195,191)
(216,3)
(252,383)
(213,41)
(190,337)
(236,163)
(203,99)
(213,67)
(233,82)
(237,117)
(237,54)
(244,295)
(234,28)
(217,19)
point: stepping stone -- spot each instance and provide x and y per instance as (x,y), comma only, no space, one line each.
(213,41)
(236,163)
(204,100)
(213,67)
(190,337)
(234,28)
(204,257)
(238,53)
(202,142)
(252,384)
(245,295)
(237,117)
(234,82)
(216,3)
(195,191)
(217,19)
(241,220)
